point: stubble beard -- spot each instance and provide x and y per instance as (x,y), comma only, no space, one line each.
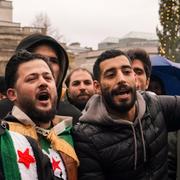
(122,107)
(80,104)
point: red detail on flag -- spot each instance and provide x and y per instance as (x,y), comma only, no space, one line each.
(55,164)
(25,158)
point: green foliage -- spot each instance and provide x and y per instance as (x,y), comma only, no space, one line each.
(169,35)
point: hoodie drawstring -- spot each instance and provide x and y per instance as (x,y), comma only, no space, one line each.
(143,141)
(135,146)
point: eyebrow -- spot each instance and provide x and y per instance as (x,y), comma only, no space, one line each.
(75,81)
(121,67)
(137,68)
(35,74)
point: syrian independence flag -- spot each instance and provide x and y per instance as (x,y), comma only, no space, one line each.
(17,157)
(57,163)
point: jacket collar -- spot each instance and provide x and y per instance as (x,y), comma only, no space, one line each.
(21,116)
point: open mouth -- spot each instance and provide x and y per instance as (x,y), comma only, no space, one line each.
(121,91)
(43,96)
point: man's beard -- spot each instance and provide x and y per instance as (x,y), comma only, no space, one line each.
(123,106)
(37,115)
(79,104)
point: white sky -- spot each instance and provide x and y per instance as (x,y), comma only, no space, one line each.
(91,21)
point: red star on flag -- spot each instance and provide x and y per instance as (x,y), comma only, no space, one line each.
(25,158)
(55,164)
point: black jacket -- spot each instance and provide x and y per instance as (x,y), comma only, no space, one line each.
(66,109)
(174,155)
(5,107)
(116,149)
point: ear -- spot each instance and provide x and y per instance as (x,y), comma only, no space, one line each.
(147,82)
(97,87)
(11,94)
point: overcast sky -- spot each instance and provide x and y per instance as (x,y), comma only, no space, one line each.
(91,21)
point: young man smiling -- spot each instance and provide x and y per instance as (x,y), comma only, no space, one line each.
(122,134)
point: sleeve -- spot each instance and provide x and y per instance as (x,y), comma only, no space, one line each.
(171,110)
(44,167)
(172,155)
(90,167)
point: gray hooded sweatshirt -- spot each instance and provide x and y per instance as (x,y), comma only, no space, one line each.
(95,112)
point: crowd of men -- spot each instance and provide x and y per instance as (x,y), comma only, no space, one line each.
(106,126)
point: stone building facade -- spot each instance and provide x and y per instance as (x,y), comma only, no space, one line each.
(11,33)
(147,41)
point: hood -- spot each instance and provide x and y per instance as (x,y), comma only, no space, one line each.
(33,40)
(95,112)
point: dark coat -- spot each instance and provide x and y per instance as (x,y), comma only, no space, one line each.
(116,152)
(5,107)
(67,109)
(174,155)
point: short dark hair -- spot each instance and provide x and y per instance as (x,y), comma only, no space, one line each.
(15,61)
(104,56)
(67,81)
(142,56)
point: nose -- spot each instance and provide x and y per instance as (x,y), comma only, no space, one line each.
(82,86)
(137,82)
(42,81)
(138,85)
(120,77)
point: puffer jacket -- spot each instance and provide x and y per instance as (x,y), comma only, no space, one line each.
(174,155)
(117,149)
